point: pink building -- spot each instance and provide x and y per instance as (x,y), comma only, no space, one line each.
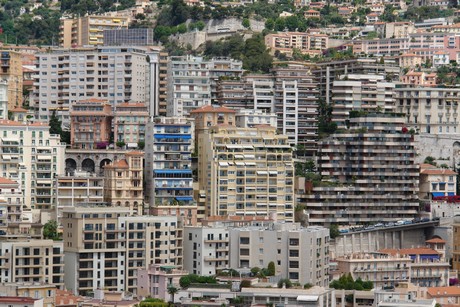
(155,280)
(312,14)
(381,47)
(419,78)
(90,124)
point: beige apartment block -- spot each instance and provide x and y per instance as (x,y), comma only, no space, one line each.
(123,182)
(435,182)
(246,171)
(81,187)
(431,110)
(32,157)
(306,43)
(398,29)
(105,247)
(88,30)
(11,71)
(32,261)
(382,269)
(45,291)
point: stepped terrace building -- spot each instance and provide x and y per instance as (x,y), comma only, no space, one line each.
(370,174)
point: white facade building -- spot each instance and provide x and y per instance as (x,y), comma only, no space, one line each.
(115,74)
(248,118)
(32,157)
(192,81)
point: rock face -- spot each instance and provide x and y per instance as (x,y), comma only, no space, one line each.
(217,29)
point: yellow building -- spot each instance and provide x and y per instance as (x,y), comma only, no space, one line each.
(88,30)
(123,182)
(246,172)
(11,70)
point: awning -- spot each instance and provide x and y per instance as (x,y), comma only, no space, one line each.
(250,163)
(173,171)
(223,163)
(273,172)
(44,157)
(262,173)
(173,136)
(239,163)
(185,198)
(450,193)
(6,157)
(239,157)
(250,156)
(307,298)
(437,194)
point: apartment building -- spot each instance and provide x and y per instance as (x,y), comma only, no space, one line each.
(11,199)
(11,72)
(88,30)
(81,187)
(381,47)
(128,37)
(374,160)
(300,254)
(250,118)
(246,171)
(456,243)
(306,43)
(428,267)
(419,78)
(410,60)
(4,99)
(429,109)
(31,156)
(206,249)
(367,93)
(168,160)
(14,301)
(37,261)
(123,182)
(384,270)
(289,92)
(156,279)
(115,74)
(105,247)
(399,29)
(90,124)
(192,81)
(326,73)
(435,182)
(46,292)
(129,124)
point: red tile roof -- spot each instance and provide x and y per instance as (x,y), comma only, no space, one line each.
(435,240)
(212,109)
(443,291)
(410,251)
(7,181)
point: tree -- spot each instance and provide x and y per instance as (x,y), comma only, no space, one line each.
(141,145)
(256,57)
(271,270)
(430,160)
(308,286)
(286,282)
(334,231)
(55,124)
(50,230)
(120,144)
(172,290)
(246,23)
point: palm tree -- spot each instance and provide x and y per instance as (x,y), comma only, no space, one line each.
(172,290)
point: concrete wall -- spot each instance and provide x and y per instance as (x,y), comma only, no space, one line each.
(371,241)
(445,146)
(216,30)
